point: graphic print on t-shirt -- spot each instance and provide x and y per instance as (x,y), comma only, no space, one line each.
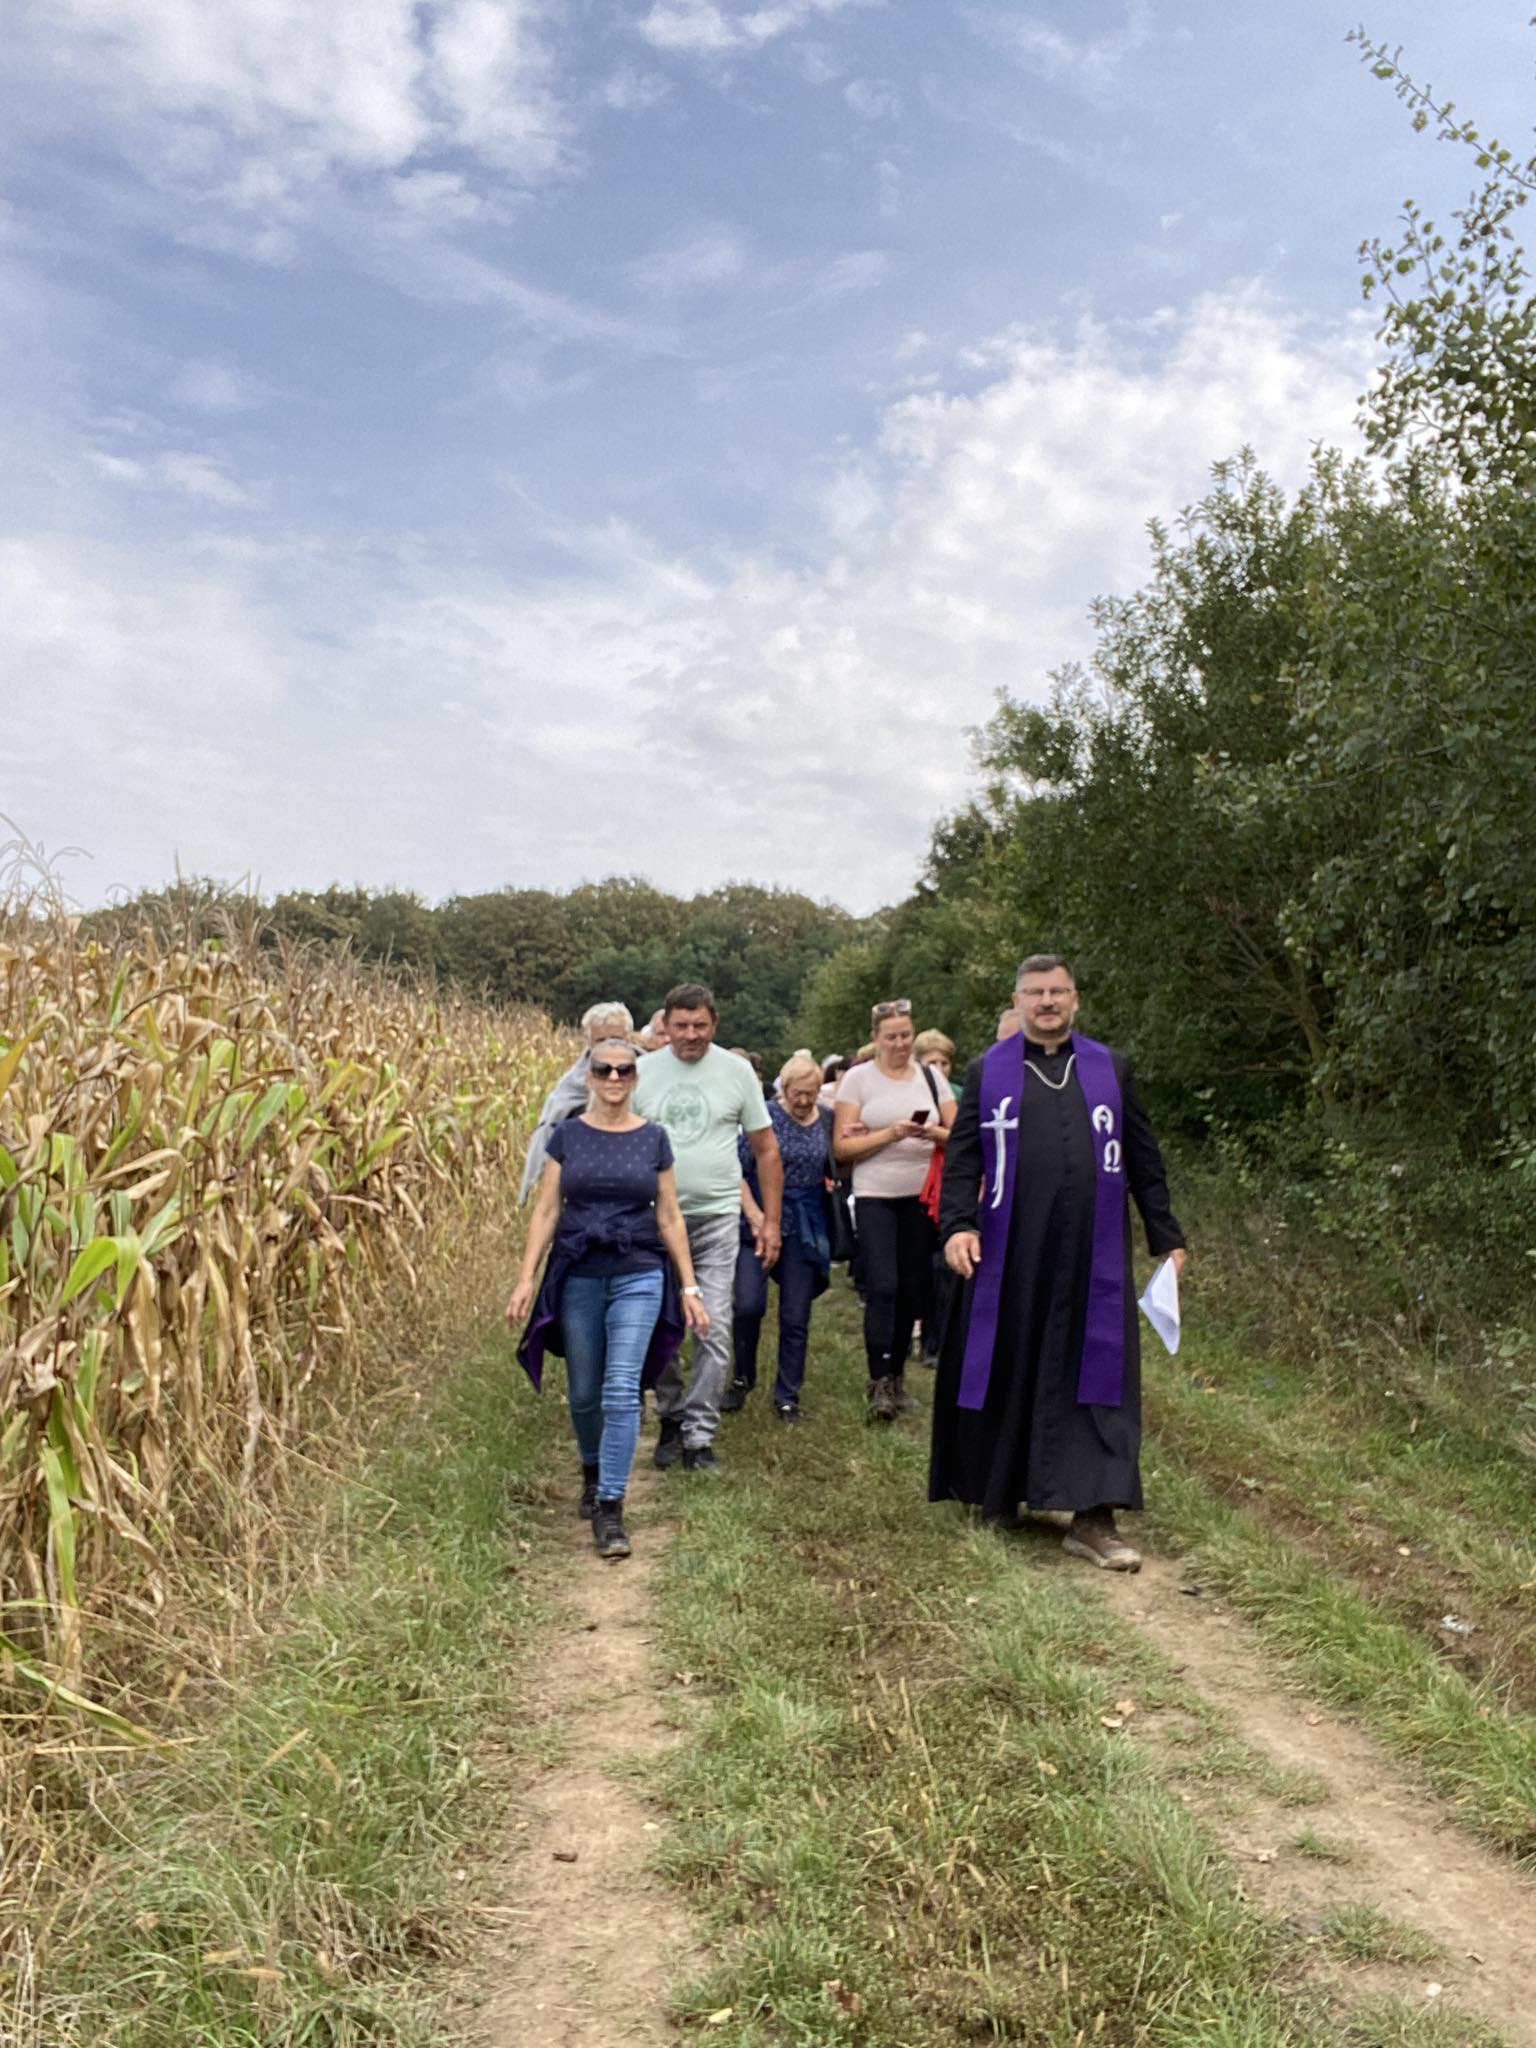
(685,1112)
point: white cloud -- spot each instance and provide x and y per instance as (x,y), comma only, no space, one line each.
(858,271)
(254,105)
(703,262)
(706,28)
(1091,65)
(178,470)
(216,387)
(406,716)
(873,99)
(629,91)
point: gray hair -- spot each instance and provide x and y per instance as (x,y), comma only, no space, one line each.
(799,1066)
(1044,963)
(605,1013)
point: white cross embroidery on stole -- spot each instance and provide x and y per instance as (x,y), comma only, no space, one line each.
(1000,1126)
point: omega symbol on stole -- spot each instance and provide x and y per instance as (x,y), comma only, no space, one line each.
(1104,1121)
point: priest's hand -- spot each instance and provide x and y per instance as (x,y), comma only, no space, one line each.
(962,1253)
(1179,1257)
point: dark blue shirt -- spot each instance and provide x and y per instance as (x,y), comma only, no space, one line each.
(608,1185)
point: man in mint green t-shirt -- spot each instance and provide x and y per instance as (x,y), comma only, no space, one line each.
(705,1096)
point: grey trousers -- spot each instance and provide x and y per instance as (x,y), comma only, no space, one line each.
(712,1242)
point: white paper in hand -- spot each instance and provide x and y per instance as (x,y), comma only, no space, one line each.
(1160,1304)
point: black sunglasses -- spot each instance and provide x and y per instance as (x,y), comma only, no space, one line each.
(606,1069)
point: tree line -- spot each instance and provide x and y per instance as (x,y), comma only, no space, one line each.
(559,951)
(1284,820)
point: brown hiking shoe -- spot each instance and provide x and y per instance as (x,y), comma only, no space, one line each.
(1095,1537)
(882,1401)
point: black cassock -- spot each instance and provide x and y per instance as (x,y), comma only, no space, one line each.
(1031,1440)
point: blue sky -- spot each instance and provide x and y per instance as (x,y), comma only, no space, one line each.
(482,442)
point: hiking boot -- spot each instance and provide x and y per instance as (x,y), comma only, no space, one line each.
(789,1411)
(735,1396)
(700,1458)
(1095,1537)
(608,1529)
(588,1499)
(882,1401)
(905,1405)
(1050,1518)
(669,1445)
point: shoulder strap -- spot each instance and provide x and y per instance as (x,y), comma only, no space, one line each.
(933,1086)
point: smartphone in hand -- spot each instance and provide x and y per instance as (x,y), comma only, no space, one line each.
(919,1116)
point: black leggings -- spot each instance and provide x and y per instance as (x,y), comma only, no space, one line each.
(896,1245)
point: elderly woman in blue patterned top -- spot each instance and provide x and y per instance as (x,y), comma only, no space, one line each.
(608,1216)
(804,1134)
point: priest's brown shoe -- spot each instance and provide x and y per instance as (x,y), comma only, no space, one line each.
(1095,1537)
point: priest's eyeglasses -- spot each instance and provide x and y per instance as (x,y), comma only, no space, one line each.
(1040,995)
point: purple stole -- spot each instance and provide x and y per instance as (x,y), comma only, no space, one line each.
(1101,1377)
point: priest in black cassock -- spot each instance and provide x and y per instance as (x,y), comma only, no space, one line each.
(1038,1398)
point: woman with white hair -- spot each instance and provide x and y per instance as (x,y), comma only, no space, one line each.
(568,1097)
(803,1131)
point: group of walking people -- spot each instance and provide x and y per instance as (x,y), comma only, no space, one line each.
(671,1194)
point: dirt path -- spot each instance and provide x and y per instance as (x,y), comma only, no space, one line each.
(1404,1854)
(586,1940)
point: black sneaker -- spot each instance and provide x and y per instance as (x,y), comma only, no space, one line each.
(669,1445)
(608,1529)
(735,1396)
(789,1411)
(700,1458)
(588,1499)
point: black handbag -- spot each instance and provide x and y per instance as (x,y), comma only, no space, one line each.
(835,1202)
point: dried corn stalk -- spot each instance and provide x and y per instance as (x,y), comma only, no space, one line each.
(208,1155)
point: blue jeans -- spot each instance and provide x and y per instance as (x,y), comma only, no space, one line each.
(796,1275)
(606,1324)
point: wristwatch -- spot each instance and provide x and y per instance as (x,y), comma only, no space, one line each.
(693,1290)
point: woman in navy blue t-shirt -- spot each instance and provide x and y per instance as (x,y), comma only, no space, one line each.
(607,1214)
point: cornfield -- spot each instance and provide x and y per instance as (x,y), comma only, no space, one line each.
(213,1159)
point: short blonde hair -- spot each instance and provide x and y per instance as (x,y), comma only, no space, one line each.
(927,1043)
(798,1067)
(865,1052)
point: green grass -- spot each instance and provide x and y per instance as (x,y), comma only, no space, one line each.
(906,1807)
(1365,1934)
(1397,2023)
(293,1876)
(905,1811)
(1421,1503)
(1319,1847)
(1475,1745)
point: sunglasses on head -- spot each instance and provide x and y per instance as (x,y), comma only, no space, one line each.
(900,1007)
(606,1070)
